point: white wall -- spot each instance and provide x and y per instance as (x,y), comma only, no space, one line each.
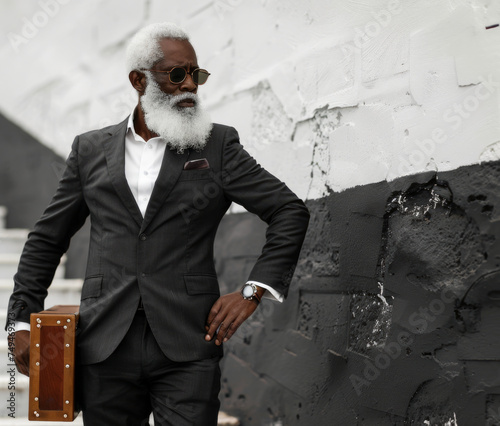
(327,94)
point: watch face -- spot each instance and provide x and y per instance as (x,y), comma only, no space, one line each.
(247,291)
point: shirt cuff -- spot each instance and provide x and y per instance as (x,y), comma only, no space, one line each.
(21,325)
(273,294)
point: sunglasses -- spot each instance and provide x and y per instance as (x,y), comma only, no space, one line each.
(177,75)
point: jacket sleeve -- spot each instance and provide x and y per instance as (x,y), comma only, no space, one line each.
(48,241)
(247,183)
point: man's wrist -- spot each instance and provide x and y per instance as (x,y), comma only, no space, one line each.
(250,291)
(270,293)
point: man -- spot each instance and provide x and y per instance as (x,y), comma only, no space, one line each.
(156,186)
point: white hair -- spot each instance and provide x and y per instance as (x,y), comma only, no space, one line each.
(144,50)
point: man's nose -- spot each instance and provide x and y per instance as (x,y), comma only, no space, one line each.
(188,85)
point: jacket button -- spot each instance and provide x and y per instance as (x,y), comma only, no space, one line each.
(143,237)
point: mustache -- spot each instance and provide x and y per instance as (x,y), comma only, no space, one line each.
(173,100)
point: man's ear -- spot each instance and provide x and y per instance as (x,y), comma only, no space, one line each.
(138,81)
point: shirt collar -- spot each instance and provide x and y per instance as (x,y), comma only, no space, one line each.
(131,128)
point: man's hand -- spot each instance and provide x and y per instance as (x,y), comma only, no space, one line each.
(22,351)
(228,313)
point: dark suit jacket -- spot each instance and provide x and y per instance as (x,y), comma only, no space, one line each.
(165,258)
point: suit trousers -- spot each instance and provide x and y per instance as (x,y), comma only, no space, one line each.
(138,379)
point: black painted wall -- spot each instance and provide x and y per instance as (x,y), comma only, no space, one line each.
(29,173)
(393,314)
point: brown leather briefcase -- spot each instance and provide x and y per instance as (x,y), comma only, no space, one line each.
(52,364)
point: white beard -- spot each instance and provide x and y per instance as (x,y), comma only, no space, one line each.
(182,128)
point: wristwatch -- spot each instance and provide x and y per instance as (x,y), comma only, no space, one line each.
(249,292)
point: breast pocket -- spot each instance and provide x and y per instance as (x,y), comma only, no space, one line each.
(196,174)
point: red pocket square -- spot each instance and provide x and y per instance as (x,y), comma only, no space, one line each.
(201,163)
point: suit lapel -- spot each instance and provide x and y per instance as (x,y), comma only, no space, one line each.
(170,170)
(114,149)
